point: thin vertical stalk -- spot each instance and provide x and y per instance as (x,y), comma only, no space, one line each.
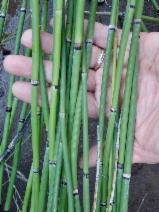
(10,96)
(45,111)
(34,98)
(55,78)
(44,15)
(86,194)
(63,193)
(69,65)
(130,140)
(15,160)
(109,45)
(91,23)
(74,147)
(69,26)
(127,92)
(76,63)
(113,110)
(3,13)
(63,124)
(112,155)
(117,136)
(57,179)
(28,190)
(52,179)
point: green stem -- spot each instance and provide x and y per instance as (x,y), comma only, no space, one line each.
(74,147)
(109,45)
(10,96)
(34,99)
(127,92)
(130,140)
(155,5)
(3,13)
(76,63)
(57,179)
(15,161)
(110,129)
(55,78)
(28,190)
(86,194)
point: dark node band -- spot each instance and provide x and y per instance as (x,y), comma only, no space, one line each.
(52,163)
(68,40)
(36,170)
(112,202)
(77,46)
(8,109)
(137,22)
(112,29)
(126,176)
(63,182)
(89,41)
(2,15)
(38,114)
(75,192)
(56,87)
(34,82)
(132,6)
(103,204)
(120,166)
(86,175)
(23,10)
(113,110)
(21,121)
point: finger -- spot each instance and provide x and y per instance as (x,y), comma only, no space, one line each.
(22,90)
(92,106)
(46,41)
(91,83)
(22,66)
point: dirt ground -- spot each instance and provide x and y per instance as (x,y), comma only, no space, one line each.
(144,190)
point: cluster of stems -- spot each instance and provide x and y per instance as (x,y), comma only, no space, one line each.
(65,117)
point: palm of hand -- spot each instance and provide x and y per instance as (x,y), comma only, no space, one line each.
(146,145)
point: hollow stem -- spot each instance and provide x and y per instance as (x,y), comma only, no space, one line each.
(127,92)
(113,110)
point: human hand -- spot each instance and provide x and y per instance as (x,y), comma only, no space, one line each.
(146,142)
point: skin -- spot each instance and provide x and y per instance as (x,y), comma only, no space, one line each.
(146,141)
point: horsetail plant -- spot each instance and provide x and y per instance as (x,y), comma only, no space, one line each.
(10,96)
(76,63)
(3,13)
(17,152)
(34,98)
(109,45)
(127,92)
(62,115)
(113,110)
(56,188)
(55,79)
(130,139)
